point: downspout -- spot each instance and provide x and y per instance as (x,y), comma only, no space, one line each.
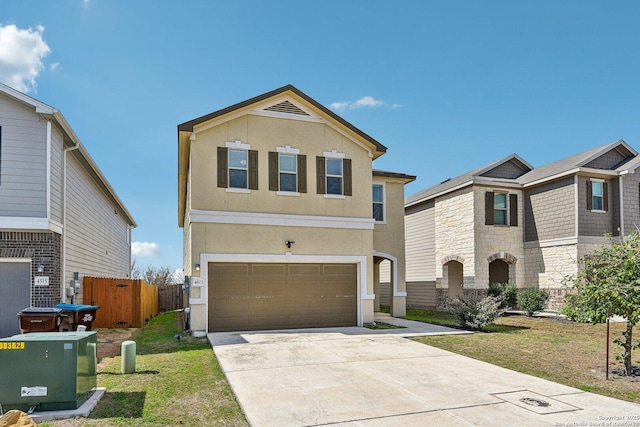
(620,189)
(64,219)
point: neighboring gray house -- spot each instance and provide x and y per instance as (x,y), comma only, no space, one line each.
(511,222)
(58,213)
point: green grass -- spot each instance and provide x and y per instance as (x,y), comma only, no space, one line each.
(175,383)
(558,350)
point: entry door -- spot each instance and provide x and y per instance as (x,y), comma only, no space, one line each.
(15,286)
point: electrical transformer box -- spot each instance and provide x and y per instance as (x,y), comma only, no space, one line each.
(47,370)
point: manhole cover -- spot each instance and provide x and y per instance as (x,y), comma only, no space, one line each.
(534,402)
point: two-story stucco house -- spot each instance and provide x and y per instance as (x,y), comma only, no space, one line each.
(58,214)
(285,221)
(511,222)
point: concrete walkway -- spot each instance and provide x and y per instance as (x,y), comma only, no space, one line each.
(361,377)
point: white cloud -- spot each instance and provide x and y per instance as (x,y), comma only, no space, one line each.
(364,102)
(54,66)
(21,55)
(145,249)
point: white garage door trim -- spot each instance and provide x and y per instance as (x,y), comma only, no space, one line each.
(360,260)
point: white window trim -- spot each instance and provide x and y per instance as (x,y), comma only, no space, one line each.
(287,150)
(333,154)
(600,181)
(288,193)
(335,196)
(327,175)
(384,201)
(238,145)
(238,190)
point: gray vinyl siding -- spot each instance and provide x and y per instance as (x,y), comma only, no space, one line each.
(56,174)
(594,223)
(508,170)
(385,294)
(96,229)
(609,160)
(420,247)
(549,210)
(631,185)
(422,295)
(23,177)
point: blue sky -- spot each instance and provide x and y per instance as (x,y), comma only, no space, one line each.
(447,86)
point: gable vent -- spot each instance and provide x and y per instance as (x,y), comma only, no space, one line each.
(286,107)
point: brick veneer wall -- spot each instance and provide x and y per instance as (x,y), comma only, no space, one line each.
(44,248)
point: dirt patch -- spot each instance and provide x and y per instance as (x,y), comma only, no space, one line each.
(110,341)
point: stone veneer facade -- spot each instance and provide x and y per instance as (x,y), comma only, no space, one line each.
(43,248)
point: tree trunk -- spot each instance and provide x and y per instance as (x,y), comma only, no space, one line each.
(628,346)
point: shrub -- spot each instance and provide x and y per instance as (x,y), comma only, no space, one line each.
(506,292)
(532,299)
(474,312)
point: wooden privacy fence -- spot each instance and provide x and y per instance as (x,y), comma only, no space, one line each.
(170,297)
(124,303)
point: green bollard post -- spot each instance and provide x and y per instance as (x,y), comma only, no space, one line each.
(128,352)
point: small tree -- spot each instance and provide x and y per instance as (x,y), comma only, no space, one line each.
(609,284)
(531,300)
(153,275)
(475,312)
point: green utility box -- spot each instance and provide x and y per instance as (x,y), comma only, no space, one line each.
(48,370)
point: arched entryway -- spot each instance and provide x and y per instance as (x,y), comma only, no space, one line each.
(453,278)
(502,268)
(498,271)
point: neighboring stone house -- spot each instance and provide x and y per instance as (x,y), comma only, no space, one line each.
(277,198)
(58,214)
(511,222)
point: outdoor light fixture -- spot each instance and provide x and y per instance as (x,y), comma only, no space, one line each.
(197,267)
(289,243)
(40,268)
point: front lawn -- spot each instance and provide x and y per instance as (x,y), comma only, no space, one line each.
(175,383)
(552,348)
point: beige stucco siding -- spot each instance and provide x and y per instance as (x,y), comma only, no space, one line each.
(243,242)
(264,134)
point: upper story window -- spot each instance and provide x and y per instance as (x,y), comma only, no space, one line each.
(287,171)
(378,202)
(237,167)
(333,175)
(501,209)
(597,195)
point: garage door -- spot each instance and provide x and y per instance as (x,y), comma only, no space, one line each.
(15,284)
(281,296)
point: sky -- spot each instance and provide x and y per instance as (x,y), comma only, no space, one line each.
(446,86)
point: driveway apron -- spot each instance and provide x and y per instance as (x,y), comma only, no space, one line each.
(361,377)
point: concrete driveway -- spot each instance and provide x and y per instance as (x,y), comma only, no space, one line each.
(359,377)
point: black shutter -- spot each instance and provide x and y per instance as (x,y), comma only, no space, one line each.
(223,174)
(253,170)
(302,173)
(347,177)
(320,175)
(589,196)
(488,208)
(273,171)
(513,210)
(605,196)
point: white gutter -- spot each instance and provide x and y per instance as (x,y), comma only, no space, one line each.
(63,280)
